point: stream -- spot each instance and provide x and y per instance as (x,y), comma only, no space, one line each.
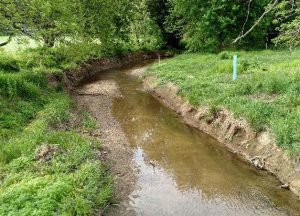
(182,171)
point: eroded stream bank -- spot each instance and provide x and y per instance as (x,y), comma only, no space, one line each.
(180,171)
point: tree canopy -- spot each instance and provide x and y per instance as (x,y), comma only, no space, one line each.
(196,25)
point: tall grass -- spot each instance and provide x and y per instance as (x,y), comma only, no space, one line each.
(266,93)
(35,116)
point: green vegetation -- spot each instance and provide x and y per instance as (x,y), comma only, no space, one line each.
(127,25)
(266,93)
(212,25)
(119,26)
(46,166)
(18,43)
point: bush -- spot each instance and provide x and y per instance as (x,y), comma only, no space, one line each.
(224,55)
(59,58)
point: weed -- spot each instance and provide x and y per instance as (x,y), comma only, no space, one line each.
(88,122)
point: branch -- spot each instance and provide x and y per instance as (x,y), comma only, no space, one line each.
(6,42)
(257,22)
(248,13)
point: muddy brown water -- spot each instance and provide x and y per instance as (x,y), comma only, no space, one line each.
(182,171)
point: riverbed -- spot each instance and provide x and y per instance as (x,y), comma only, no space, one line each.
(180,170)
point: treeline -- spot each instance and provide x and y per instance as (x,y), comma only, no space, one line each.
(152,24)
(199,25)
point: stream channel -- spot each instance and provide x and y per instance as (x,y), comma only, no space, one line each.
(182,171)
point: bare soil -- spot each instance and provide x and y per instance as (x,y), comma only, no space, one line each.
(98,98)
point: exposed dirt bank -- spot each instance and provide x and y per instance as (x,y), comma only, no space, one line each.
(74,77)
(97,99)
(259,149)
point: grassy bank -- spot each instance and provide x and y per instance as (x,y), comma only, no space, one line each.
(266,93)
(46,166)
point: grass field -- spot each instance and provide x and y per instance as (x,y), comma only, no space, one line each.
(267,92)
(46,166)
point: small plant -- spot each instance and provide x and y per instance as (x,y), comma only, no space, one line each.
(88,122)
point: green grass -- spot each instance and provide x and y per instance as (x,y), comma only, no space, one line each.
(266,93)
(69,179)
(72,182)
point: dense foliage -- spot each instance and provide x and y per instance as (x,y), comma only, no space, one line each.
(116,25)
(151,24)
(214,24)
(288,15)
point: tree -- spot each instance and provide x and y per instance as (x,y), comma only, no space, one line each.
(269,8)
(288,19)
(144,31)
(159,11)
(107,21)
(214,24)
(42,20)
(50,21)
(11,21)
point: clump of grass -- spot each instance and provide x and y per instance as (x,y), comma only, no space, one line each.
(21,85)
(78,193)
(266,93)
(88,122)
